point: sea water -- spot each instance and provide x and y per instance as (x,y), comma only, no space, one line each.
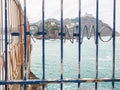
(70,62)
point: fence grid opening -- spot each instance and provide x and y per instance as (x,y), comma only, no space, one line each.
(15,46)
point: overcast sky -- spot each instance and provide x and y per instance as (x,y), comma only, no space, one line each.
(52,9)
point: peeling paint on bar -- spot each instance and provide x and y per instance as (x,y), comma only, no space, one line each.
(50,81)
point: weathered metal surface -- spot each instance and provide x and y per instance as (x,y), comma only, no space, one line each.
(15,48)
(11,42)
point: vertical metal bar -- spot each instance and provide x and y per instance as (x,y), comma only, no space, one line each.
(8,22)
(61,86)
(114,30)
(6,43)
(11,21)
(13,26)
(25,72)
(79,43)
(43,42)
(97,28)
(1,26)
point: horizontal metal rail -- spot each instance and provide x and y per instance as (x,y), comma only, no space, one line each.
(49,81)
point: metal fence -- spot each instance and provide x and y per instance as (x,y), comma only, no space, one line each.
(62,80)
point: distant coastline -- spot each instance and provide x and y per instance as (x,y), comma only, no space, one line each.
(88,28)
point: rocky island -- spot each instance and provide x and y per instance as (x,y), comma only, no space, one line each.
(88,27)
